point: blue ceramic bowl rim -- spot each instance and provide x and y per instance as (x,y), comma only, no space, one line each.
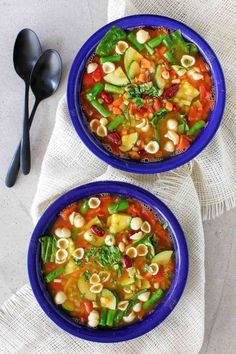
(152,320)
(95,146)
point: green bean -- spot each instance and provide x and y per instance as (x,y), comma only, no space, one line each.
(103,317)
(179,40)
(156,296)
(94,91)
(110,317)
(113,89)
(169,56)
(115,122)
(132,302)
(84,207)
(111,58)
(154,42)
(53,249)
(120,206)
(102,110)
(43,242)
(134,41)
(149,49)
(192,48)
(167,41)
(48,251)
(195,129)
(54,274)
(106,46)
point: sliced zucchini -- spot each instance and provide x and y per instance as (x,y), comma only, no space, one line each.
(84,289)
(180,70)
(145,284)
(126,280)
(108,299)
(128,141)
(186,92)
(162,258)
(131,54)
(160,82)
(94,221)
(118,222)
(70,267)
(117,77)
(133,70)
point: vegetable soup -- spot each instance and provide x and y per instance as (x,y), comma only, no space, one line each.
(108,260)
(146,93)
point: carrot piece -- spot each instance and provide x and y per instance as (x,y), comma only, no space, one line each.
(146,64)
(116,110)
(131,108)
(183,143)
(169,106)
(147,275)
(157,104)
(141,77)
(118,102)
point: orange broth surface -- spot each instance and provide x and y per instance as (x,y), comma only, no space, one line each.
(107,264)
(160,97)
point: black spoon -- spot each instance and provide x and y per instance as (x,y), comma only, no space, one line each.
(45,79)
(27,50)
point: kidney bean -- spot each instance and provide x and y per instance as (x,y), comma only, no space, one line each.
(107,97)
(170,92)
(97,230)
(127,262)
(142,152)
(114,138)
(132,232)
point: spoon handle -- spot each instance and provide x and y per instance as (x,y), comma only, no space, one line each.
(25,141)
(15,162)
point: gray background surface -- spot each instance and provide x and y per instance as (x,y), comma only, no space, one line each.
(65,25)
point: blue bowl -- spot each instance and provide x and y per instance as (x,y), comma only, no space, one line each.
(57,315)
(79,120)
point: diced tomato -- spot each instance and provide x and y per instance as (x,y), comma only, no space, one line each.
(86,306)
(88,80)
(65,213)
(147,275)
(97,74)
(50,267)
(55,286)
(184,142)
(159,276)
(60,223)
(134,209)
(148,215)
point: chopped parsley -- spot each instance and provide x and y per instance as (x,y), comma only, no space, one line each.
(86,275)
(77,261)
(147,88)
(106,256)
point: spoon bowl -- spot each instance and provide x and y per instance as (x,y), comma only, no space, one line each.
(46,75)
(27,50)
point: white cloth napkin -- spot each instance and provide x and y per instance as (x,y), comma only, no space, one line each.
(203,188)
